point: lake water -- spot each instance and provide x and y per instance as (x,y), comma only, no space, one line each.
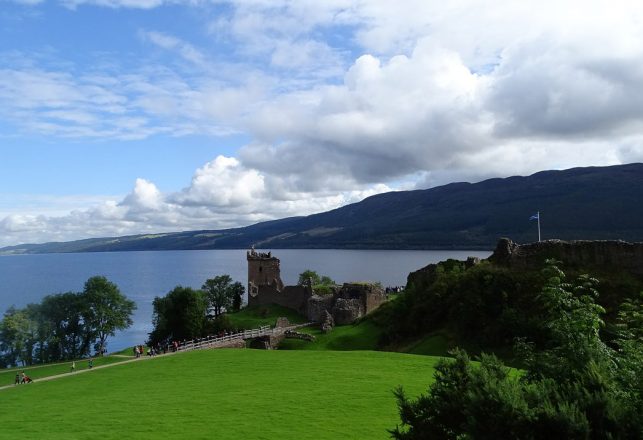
(143,275)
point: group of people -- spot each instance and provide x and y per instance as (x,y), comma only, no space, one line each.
(90,364)
(394,289)
(138,351)
(22,378)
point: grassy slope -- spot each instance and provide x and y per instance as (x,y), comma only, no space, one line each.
(256,316)
(361,336)
(223,394)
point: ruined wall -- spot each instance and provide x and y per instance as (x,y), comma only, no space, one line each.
(317,305)
(347,310)
(580,254)
(370,295)
(292,297)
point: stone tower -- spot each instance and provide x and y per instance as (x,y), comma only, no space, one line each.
(263,272)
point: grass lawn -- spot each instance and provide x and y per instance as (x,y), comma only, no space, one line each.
(221,394)
(361,336)
(256,316)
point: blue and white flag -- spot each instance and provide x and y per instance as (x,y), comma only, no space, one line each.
(535,216)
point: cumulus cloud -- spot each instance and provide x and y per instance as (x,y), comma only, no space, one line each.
(341,98)
(222,194)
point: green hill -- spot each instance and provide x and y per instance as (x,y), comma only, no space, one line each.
(580,203)
(222,394)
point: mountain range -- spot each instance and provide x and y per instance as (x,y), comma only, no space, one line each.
(593,203)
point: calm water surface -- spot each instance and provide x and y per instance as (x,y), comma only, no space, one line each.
(143,275)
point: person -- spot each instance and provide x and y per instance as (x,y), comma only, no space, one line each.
(17,381)
(90,364)
(73,366)
(25,378)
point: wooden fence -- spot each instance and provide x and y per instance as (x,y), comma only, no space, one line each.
(230,338)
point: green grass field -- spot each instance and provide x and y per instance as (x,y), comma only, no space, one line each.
(222,394)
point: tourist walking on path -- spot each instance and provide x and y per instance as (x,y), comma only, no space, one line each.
(73,366)
(90,364)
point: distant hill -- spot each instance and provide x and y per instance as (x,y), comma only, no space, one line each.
(580,203)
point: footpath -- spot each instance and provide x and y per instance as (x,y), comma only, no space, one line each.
(202,343)
(87,370)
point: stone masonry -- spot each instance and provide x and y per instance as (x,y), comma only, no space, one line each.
(346,303)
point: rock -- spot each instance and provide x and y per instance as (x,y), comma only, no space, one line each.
(282,322)
(291,334)
(328,323)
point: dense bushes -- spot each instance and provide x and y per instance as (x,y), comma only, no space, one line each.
(484,305)
(574,385)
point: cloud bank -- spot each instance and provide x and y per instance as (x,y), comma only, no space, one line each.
(343,99)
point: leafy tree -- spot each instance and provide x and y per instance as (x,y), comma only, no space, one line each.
(179,315)
(308,275)
(62,315)
(322,285)
(220,292)
(575,386)
(14,329)
(237,298)
(107,310)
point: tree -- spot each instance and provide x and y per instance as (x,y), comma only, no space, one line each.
(576,386)
(237,297)
(62,315)
(14,333)
(307,275)
(106,310)
(220,292)
(315,279)
(179,315)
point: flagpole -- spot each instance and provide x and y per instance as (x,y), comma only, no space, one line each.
(538,216)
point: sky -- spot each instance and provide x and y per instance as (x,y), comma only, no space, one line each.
(141,116)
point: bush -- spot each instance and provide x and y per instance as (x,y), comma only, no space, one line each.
(573,387)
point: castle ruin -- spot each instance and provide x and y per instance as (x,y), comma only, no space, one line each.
(345,303)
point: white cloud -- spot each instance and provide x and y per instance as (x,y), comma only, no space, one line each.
(344,97)
(169,42)
(222,194)
(134,4)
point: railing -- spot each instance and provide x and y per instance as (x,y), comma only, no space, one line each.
(225,340)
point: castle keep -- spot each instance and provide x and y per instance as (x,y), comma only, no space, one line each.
(345,304)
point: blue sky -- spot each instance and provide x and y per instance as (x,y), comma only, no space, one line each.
(133,116)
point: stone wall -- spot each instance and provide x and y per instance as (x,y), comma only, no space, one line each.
(317,305)
(292,297)
(578,254)
(346,311)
